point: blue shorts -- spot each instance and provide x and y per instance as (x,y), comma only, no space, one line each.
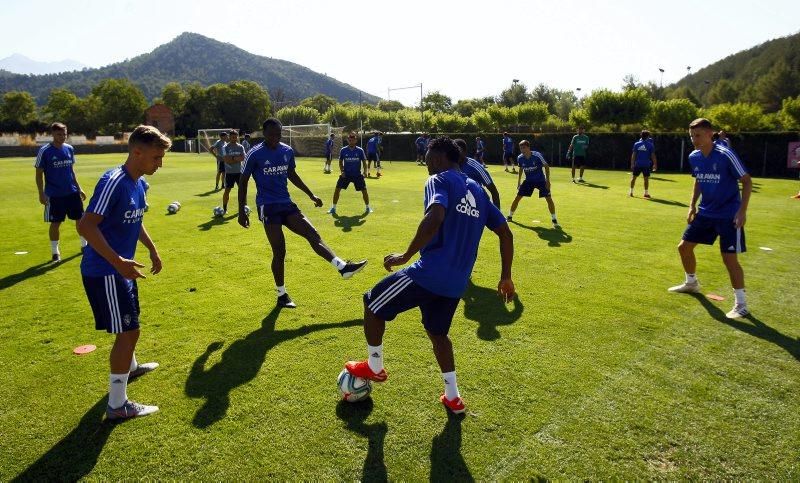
(276,214)
(421,152)
(509,157)
(372,157)
(705,230)
(397,293)
(114,301)
(479,157)
(643,170)
(527,187)
(358,182)
(60,207)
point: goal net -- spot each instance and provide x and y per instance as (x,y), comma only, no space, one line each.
(309,140)
(207,137)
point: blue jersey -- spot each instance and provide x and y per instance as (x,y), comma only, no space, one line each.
(372,145)
(352,158)
(644,149)
(476,172)
(533,166)
(59,177)
(508,145)
(445,263)
(119,199)
(422,143)
(479,146)
(724,142)
(219,147)
(328,146)
(718,176)
(270,170)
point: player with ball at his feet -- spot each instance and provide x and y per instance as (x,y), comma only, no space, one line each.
(272,166)
(456,212)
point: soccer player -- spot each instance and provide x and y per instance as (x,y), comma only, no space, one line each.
(717,172)
(721,137)
(59,190)
(272,165)
(508,153)
(537,176)
(476,172)
(112,225)
(372,153)
(353,168)
(643,159)
(480,149)
(456,212)
(328,154)
(246,143)
(233,156)
(422,146)
(577,152)
(218,150)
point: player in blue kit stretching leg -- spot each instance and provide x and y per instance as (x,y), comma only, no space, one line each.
(456,211)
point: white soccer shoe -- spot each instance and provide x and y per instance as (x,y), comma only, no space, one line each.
(738,311)
(686,287)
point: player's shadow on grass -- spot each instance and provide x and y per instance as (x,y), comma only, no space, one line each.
(208,193)
(354,415)
(240,363)
(346,223)
(217,221)
(592,185)
(752,326)
(447,464)
(668,202)
(653,178)
(34,271)
(553,236)
(487,309)
(72,458)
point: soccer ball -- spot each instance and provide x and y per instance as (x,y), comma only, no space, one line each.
(246,210)
(218,211)
(174,207)
(353,388)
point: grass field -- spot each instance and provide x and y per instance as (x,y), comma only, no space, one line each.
(594,372)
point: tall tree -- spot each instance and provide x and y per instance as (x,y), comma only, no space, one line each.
(122,105)
(174,97)
(18,108)
(320,102)
(437,102)
(515,94)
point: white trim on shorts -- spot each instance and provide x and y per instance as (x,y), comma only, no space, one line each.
(390,293)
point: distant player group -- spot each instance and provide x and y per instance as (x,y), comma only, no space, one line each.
(456,211)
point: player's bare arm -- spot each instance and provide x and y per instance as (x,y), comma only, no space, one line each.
(43,199)
(88,228)
(243,219)
(505,288)
(747,188)
(155,259)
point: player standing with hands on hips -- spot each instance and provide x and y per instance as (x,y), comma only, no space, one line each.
(717,172)
(457,210)
(112,225)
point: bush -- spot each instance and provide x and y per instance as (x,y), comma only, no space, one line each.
(298,115)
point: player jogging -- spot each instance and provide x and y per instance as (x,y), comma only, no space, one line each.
(328,154)
(643,160)
(272,165)
(421,144)
(373,154)
(717,172)
(537,176)
(112,225)
(353,168)
(508,153)
(218,150)
(577,152)
(476,172)
(233,155)
(456,212)
(58,186)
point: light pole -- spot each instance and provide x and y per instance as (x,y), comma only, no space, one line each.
(688,70)
(662,76)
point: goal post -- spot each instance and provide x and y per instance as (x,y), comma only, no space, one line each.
(308,140)
(207,137)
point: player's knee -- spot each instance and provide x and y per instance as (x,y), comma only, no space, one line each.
(684,248)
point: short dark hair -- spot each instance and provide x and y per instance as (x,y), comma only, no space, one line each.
(149,136)
(645,134)
(525,142)
(700,122)
(460,143)
(505,134)
(272,122)
(446,146)
(232,132)
(58,126)
(247,136)
(223,133)
(715,136)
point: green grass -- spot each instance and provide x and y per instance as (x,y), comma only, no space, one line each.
(594,372)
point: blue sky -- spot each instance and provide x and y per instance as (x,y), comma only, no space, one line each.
(448,46)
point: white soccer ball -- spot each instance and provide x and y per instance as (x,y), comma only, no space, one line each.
(173,207)
(353,388)
(218,211)
(246,210)
(177,203)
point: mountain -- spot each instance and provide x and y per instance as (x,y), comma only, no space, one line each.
(192,57)
(19,64)
(773,65)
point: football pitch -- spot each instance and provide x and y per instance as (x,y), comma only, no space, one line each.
(594,371)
